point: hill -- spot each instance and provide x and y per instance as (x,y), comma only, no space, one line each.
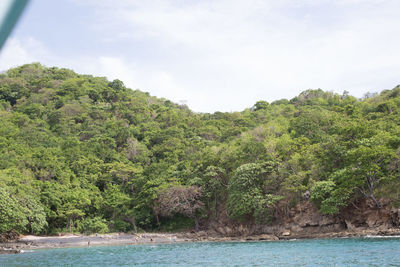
(84,154)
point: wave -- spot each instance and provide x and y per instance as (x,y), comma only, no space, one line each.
(26,251)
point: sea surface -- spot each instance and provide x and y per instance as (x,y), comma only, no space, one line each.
(323,252)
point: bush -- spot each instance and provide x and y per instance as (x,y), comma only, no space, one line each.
(328,197)
(121,226)
(178,223)
(321,190)
(93,225)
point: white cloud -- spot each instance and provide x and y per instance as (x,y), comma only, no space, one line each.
(16,53)
(226,55)
(235,52)
(159,82)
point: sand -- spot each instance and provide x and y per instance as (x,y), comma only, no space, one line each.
(70,240)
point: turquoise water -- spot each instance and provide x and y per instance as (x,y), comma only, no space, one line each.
(327,252)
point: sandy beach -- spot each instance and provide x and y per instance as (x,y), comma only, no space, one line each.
(72,240)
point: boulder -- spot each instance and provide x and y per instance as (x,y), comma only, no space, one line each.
(9,251)
(268,237)
(286,233)
(201,233)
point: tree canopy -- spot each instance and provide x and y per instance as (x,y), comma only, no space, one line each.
(81,153)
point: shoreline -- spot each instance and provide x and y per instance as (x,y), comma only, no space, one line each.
(31,242)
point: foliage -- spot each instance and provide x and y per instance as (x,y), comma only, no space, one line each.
(329,197)
(81,153)
(249,193)
(12,215)
(93,225)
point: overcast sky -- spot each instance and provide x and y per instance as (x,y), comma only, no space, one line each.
(218,55)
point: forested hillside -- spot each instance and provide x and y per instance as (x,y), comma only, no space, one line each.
(84,154)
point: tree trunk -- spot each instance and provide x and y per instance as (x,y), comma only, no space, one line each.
(155,212)
(134,226)
(158,220)
(378,206)
(132,220)
(196,224)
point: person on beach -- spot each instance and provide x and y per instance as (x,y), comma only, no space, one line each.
(88,243)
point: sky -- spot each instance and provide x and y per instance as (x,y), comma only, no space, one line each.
(216,55)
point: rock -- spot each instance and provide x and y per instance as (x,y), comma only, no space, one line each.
(9,236)
(296,228)
(350,226)
(395,216)
(228,231)
(384,227)
(267,229)
(268,237)
(9,251)
(306,195)
(243,230)
(263,237)
(221,230)
(326,220)
(308,219)
(371,221)
(286,233)
(201,233)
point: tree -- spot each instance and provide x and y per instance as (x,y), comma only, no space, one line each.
(261,105)
(12,215)
(181,200)
(329,197)
(214,187)
(75,201)
(115,201)
(35,214)
(368,169)
(248,194)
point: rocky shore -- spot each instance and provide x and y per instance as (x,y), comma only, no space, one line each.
(301,222)
(46,242)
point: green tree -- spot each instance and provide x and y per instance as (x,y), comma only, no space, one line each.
(247,194)
(12,215)
(368,169)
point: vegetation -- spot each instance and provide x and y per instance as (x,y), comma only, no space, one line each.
(83,154)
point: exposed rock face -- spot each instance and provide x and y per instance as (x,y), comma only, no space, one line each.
(395,217)
(305,214)
(304,221)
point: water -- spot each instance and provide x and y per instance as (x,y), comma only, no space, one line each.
(328,252)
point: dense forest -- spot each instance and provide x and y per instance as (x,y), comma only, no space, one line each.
(83,154)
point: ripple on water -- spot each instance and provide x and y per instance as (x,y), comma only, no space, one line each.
(327,252)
